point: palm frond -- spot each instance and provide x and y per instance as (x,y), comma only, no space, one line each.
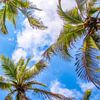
(87,63)
(35,70)
(20,68)
(5,85)
(72,16)
(49,95)
(34,22)
(12,13)
(3,20)
(35,83)
(96,38)
(87,95)
(22,4)
(66,39)
(86,7)
(50,52)
(8,66)
(2,78)
(10,10)
(80,6)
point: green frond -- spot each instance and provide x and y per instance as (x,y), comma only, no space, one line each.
(5,85)
(49,95)
(87,95)
(86,7)
(98,70)
(80,6)
(93,10)
(3,20)
(12,13)
(20,68)
(11,9)
(72,16)
(9,67)
(35,70)
(34,22)
(87,62)
(35,83)
(96,38)
(50,52)
(67,38)
(24,4)
(90,4)
(2,78)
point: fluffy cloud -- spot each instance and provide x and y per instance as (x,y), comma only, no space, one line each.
(18,54)
(34,41)
(60,88)
(57,87)
(85,86)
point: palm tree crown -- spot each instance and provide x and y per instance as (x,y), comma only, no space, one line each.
(18,78)
(10,9)
(83,21)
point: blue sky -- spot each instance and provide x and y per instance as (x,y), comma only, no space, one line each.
(23,41)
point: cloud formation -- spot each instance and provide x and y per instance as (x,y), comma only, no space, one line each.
(59,88)
(35,41)
(85,86)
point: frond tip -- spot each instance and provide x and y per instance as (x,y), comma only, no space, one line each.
(50,95)
(87,64)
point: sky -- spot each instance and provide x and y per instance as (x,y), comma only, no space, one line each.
(60,75)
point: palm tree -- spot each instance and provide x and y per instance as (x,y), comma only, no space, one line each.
(87,95)
(83,21)
(10,9)
(19,79)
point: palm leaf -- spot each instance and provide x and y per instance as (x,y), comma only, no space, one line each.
(86,7)
(34,83)
(87,95)
(10,11)
(5,85)
(72,16)
(9,67)
(87,62)
(49,95)
(21,67)
(35,70)
(96,38)
(66,39)
(2,78)
(34,22)
(3,26)
(80,6)
(50,52)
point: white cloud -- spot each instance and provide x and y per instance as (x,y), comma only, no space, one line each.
(59,88)
(18,54)
(85,86)
(31,39)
